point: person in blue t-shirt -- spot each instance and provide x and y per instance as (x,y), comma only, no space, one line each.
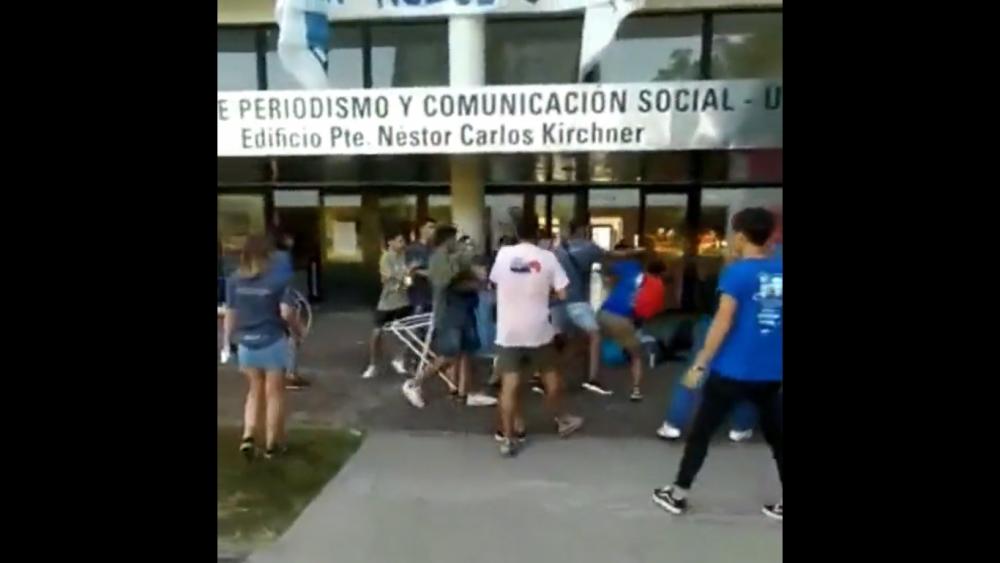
(683,399)
(260,309)
(283,267)
(741,354)
(615,316)
(282,259)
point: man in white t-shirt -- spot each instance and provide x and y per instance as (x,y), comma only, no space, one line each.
(525,276)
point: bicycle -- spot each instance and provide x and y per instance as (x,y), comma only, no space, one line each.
(302,307)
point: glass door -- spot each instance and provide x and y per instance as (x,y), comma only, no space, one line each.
(665,236)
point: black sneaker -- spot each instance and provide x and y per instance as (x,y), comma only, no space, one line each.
(665,499)
(596,387)
(296,382)
(247,448)
(276,451)
(773,511)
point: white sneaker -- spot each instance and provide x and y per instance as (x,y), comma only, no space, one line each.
(413,393)
(740,435)
(369,373)
(774,511)
(480,400)
(668,432)
(596,387)
(399,365)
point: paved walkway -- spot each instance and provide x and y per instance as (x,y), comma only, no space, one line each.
(335,355)
(435,498)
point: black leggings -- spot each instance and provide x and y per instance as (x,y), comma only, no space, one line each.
(721,394)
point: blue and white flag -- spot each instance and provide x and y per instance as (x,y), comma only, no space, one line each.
(601,19)
(303,40)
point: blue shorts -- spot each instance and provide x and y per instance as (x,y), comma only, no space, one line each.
(273,357)
(565,316)
(450,342)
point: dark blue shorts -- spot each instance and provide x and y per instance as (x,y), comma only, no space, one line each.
(451,341)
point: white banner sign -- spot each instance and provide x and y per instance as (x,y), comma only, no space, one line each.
(502,119)
(369,9)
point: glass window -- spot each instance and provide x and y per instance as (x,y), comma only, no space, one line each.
(409,168)
(615,167)
(398,213)
(410,54)
(296,199)
(345,69)
(338,168)
(237,170)
(668,166)
(563,212)
(511,168)
(439,208)
(719,206)
(503,209)
(237,63)
(498,212)
(543,225)
(564,167)
(764,166)
(239,216)
(537,51)
(657,48)
(352,243)
(342,217)
(614,216)
(665,237)
(747,46)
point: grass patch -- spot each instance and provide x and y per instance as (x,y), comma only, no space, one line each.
(258,501)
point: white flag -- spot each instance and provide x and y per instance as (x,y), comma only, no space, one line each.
(303,40)
(600,25)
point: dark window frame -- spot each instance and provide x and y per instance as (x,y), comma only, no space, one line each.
(693,186)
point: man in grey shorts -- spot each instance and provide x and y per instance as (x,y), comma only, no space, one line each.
(577,255)
(525,276)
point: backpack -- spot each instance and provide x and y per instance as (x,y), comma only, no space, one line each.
(576,265)
(651,297)
(612,354)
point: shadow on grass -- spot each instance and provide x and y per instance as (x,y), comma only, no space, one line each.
(258,501)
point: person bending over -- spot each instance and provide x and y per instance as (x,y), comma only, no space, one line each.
(616,315)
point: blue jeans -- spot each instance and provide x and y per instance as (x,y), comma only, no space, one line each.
(221,284)
(272,357)
(682,402)
(485,324)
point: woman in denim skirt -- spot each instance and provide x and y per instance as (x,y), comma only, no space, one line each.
(260,308)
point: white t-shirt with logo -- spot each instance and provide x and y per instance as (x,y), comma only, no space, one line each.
(525,276)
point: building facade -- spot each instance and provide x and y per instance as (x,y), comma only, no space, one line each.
(676,202)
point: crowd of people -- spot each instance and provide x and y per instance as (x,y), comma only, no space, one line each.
(536,291)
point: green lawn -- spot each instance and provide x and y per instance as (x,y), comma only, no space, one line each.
(258,501)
